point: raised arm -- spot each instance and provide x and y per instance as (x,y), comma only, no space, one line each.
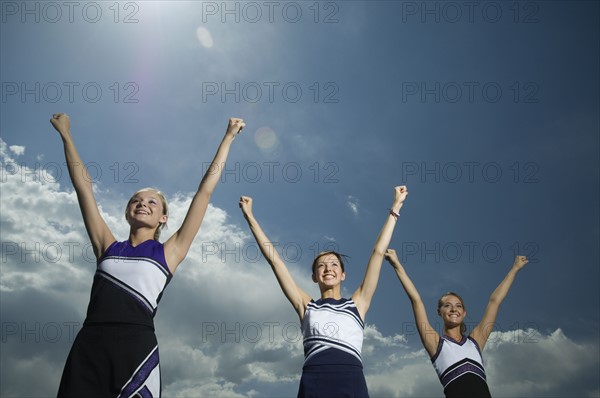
(429,337)
(485,327)
(178,245)
(363,295)
(100,235)
(297,297)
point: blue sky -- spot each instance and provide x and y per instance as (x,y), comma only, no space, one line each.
(487,111)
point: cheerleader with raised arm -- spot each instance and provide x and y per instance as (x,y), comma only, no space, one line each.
(332,326)
(456,356)
(115,354)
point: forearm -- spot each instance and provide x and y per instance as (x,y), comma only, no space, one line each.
(266,247)
(179,244)
(385,235)
(296,296)
(407,285)
(181,241)
(429,337)
(482,331)
(98,232)
(499,294)
(365,292)
(376,258)
(77,171)
(381,245)
(213,174)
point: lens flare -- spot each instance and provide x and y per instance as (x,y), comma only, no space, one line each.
(266,139)
(204,37)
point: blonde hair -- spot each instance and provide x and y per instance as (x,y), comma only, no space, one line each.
(162,199)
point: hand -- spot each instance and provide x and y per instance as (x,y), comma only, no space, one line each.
(392,257)
(400,194)
(520,262)
(235,126)
(246,205)
(61,123)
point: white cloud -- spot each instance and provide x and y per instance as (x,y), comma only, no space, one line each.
(219,284)
(42,233)
(530,363)
(17,149)
(375,340)
(352,203)
(224,326)
(518,363)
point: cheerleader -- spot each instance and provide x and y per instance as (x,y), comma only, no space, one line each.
(115,354)
(455,355)
(332,326)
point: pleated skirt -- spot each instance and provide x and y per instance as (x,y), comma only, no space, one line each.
(333,381)
(112,361)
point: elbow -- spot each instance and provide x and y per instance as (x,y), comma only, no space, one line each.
(204,193)
(495,300)
(378,250)
(417,302)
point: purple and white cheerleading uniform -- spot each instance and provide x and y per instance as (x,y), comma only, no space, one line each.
(116,352)
(333,336)
(459,366)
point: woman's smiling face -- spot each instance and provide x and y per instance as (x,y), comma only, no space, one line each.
(452,310)
(328,270)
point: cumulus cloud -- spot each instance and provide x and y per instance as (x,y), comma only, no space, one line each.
(223,320)
(17,149)
(528,363)
(224,326)
(518,363)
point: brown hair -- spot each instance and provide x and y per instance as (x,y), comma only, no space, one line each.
(338,255)
(463,327)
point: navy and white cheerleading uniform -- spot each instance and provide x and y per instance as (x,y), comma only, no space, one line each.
(459,366)
(333,336)
(115,354)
